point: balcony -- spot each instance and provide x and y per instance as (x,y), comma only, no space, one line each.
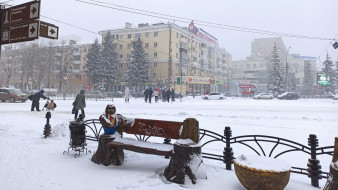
(76,53)
(76,62)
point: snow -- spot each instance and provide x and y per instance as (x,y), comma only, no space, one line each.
(263,163)
(151,145)
(29,161)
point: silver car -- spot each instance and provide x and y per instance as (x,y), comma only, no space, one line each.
(264,96)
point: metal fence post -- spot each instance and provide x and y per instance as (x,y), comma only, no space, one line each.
(228,155)
(314,167)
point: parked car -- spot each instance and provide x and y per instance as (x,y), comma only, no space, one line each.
(95,94)
(335,97)
(263,96)
(12,95)
(288,96)
(214,96)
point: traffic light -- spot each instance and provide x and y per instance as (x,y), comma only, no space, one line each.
(178,80)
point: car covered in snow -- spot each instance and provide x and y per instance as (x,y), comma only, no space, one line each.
(289,96)
(214,96)
(268,96)
(12,95)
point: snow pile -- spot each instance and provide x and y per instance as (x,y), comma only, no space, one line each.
(263,163)
(60,131)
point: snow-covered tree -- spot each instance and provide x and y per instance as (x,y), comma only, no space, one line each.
(276,81)
(110,61)
(328,70)
(138,65)
(94,60)
(336,77)
(308,80)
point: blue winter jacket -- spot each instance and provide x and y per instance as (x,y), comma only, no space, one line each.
(39,95)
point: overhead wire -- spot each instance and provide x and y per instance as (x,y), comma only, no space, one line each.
(202,23)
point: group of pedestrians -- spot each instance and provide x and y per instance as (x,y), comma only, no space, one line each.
(165,94)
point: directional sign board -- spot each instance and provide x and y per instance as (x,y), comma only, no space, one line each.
(21,13)
(48,30)
(20,32)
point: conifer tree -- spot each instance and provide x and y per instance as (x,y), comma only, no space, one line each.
(276,81)
(94,61)
(138,65)
(308,80)
(110,61)
(328,70)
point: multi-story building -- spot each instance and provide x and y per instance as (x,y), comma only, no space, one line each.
(59,67)
(254,70)
(173,52)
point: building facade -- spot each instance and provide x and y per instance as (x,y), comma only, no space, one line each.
(188,55)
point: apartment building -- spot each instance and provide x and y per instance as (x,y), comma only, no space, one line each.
(254,70)
(186,54)
(60,67)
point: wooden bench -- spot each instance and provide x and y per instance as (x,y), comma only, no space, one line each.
(110,149)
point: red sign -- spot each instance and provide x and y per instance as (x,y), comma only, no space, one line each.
(246,86)
(21,13)
(20,32)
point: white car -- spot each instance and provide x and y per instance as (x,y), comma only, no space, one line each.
(214,96)
(264,96)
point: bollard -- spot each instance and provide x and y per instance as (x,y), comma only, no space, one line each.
(314,167)
(47,129)
(228,155)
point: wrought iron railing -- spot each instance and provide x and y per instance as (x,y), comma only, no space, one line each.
(207,137)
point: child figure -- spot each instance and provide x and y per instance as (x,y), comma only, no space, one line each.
(109,120)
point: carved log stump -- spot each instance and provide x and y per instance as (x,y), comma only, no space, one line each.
(332,181)
(108,155)
(186,160)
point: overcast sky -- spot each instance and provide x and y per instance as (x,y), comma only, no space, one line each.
(314,18)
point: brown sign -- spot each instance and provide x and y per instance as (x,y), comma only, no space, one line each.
(166,129)
(48,30)
(21,13)
(20,32)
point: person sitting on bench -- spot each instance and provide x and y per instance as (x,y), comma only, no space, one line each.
(109,120)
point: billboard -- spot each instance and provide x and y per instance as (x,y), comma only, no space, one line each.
(323,79)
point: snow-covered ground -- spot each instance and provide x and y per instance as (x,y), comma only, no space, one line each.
(29,161)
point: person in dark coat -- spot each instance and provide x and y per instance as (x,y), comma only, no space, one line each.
(80,104)
(163,96)
(150,94)
(172,93)
(146,93)
(167,94)
(36,98)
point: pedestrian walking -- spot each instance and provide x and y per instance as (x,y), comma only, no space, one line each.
(150,94)
(163,96)
(36,100)
(80,103)
(167,94)
(172,93)
(156,94)
(146,94)
(126,95)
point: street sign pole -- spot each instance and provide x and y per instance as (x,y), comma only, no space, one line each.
(0,29)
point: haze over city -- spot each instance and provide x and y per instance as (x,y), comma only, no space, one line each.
(303,19)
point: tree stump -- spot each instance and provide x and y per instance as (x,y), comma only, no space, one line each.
(332,181)
(186,160)
(107,155)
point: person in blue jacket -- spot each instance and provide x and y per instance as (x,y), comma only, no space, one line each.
(36,98)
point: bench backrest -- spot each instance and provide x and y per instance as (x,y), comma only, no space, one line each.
(167,129)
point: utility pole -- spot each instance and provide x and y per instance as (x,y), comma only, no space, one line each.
(170,57)
(286,69)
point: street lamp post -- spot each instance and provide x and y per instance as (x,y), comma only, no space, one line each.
(286,69)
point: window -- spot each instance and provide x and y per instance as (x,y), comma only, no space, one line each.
(155,44)
(155,54)
(155,64)
(176,55)
(120,47)
(121,56)
(128,46)
(177,35)
(129,36)
(155,34)
(146,45)
(121,37)
(128,55)
(146,34)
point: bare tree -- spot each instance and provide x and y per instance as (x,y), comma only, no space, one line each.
(7,63)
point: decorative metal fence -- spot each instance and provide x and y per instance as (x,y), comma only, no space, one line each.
(313,170)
